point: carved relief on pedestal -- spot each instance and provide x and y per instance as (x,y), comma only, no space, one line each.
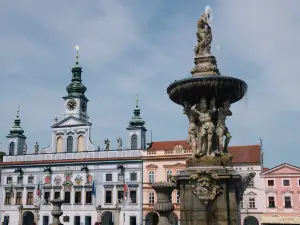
(205,186)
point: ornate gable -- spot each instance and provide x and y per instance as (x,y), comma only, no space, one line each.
(283,169)
(151,166)
(71,121)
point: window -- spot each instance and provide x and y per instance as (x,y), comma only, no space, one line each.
(177,171)
(242,203)
(251,183)
(88,197)
(9,180)
(287,202)
(80,144)
(151,197)
(108,177)
(11,148)
(7,198)
(286,183)
(59,144)
(30,180)
(120,177)
(298,182)
(108,197)
(77,220)
(88,220)
(19,198)
(271,183)
(30,198)
(178,197)
(20,180)
(77,197)
(6,220)
(132,220)
(133,176)
(252,203)
(169,174)
(70,144)
(45,220)
(67,197)
(57,195)
(120,196)
(133,196)
(134,141)
(46,197)
(271,202)
(151,176)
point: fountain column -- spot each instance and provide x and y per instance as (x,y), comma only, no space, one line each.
(164,205)
(210,189)
(56,211)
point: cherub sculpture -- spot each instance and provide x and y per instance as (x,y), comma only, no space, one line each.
(119,141)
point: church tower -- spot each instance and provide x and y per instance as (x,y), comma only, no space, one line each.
(16,137)
(136,130)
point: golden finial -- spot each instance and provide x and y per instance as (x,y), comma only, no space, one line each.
(77,55)
(18,111)
(137,101)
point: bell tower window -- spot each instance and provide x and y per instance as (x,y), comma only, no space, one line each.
(70,144)
(80,147)
(134,141)
(11,148)
(59,144)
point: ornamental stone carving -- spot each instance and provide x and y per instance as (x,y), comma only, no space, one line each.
(205,186)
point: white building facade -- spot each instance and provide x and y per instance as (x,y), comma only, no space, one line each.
(96,185)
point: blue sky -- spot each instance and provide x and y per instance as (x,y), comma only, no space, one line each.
(140,47)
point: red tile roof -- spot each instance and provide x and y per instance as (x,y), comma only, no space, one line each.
(241,154)
(265,169)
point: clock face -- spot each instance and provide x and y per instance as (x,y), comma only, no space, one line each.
(83,106)
(71,104)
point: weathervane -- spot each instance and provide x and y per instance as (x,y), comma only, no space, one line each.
(77,55)
(137,101)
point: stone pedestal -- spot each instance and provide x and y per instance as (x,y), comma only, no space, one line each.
(164,205)
(56,211)
(210,192)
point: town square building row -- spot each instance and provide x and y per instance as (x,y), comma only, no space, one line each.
(114,185)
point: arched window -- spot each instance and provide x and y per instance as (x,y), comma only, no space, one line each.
(151,176)
(70,144)
(11,148)
(169,174)
(177,171)
(151,197)
(80,144)
(134,141)
(59,144)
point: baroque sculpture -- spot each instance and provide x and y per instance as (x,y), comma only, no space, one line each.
(119,141)
(36,148)
(107,144)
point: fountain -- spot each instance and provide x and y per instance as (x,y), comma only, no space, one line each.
(164,205)
(210,189)
(56,211)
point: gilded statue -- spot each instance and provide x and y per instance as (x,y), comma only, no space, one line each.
(222,129)
(204,34)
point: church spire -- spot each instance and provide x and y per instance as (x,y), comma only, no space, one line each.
(16,128)
(76,88)
(136,120)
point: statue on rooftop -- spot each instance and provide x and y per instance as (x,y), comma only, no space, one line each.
(204,34)
(221,129)
(107,144)
(36,148)
(207,128)
(193,129)
(119,140)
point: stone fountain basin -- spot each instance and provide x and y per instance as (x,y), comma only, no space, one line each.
(210,86)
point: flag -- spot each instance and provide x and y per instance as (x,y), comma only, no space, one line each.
(125,191)
(38,190)
(94,189)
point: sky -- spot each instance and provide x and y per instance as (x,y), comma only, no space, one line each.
(134,47)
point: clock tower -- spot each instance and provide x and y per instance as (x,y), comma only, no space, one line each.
(76,102)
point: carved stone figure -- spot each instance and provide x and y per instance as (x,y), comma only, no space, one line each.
(36,148)
(206,129)
(193,129)
(221,129)
(204,35)
(24,149)
(107,144)
(119,140)
(204,185)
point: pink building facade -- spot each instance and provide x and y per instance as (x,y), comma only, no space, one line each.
(282,188)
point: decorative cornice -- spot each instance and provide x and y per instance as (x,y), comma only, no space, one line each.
(175,165)
(60,133)
(30,187)
(270,191)
(70,132)
(151,166)
(287,191)
(133,185)
(108,186)
(57,187)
